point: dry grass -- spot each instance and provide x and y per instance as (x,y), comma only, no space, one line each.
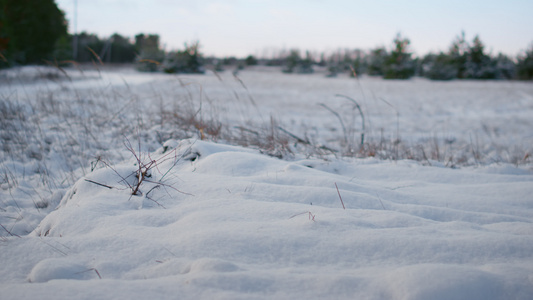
(66,133)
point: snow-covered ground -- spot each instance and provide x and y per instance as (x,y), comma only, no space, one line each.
(213,221)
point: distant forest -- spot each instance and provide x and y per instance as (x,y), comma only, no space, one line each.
(35,32)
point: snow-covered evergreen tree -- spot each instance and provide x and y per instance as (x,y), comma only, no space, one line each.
(478,65)
(399,64)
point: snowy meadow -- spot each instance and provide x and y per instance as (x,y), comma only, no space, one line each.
(116,184)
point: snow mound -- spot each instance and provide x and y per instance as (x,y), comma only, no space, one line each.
(429,281)
(51,269)
(218,221)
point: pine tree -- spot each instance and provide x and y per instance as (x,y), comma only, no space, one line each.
(29,30)
(458,53)
(399,64)
(478,65)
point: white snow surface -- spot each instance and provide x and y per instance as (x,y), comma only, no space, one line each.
(215,221)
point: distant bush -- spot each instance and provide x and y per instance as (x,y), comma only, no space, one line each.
(149,60)
(120,49)
(295,64)
(505,67)
(150,55)
(188,60)
(376,61)
(88,44)
(359,64)
(468,61)
(524,67)
(344,61)
(250,60)
(438,67)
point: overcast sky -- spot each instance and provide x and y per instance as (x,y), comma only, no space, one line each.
(243,27)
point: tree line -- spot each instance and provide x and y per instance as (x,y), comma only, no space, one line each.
(463,60)
(36,32)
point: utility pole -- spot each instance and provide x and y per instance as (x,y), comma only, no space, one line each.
(75,36)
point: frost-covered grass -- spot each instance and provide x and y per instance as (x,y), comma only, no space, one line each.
(120,184)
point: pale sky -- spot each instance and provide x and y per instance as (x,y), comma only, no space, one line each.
(258,27)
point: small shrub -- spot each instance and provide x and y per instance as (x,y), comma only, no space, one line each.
(149,60)
(295,64)
(376,61)
(438,67)
(151,56)
(250,61)
(185,61)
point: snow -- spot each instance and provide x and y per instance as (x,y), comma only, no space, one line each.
(216,221)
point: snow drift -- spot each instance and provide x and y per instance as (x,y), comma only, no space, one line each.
(230,223)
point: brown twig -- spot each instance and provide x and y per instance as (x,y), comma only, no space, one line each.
(360,113)
(100,184)
(9,232)
(338,192)
(91,269)
(311,216)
